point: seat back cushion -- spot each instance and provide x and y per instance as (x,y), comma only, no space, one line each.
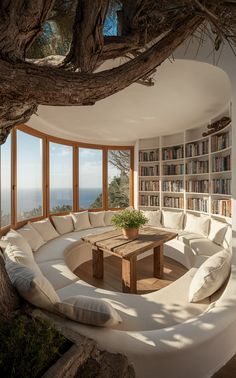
(173,219)
(217,231)
(108,216)
(34,288)
(15,238)
(227,242)
(81,220)
(63,223)
(88,310)
(97,219)
(45,229)
(210,276)
(154,217)
(18,255)
(197,224)
(32,236)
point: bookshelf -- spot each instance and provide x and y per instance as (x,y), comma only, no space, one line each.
(188,172)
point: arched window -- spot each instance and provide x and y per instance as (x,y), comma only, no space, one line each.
(5,176)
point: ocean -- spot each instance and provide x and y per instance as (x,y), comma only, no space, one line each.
(29,199)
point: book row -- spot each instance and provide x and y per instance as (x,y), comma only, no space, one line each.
(197,167)
(198,204)
(177,202)
(173,186)
(197,148)
(221,163)
(198,186)
(152,155)
(221,207)
(176,152)
(149,200)
(149,185)
(173,169)
(221,186)
(149,171)
(219,142)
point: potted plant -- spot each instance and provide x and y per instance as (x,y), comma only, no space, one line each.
(129,221)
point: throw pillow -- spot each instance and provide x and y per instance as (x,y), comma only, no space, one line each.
(227,242)
(210,276)
(197,224)
(34,288)
(63,223)
(217,231)
(173,219)
(81,220)
(89,310)
(18,255)
(32,236)
(14,238)
(45,229)
(108,215)
(97,219)
(154,217)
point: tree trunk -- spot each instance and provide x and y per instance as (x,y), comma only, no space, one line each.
(9,299)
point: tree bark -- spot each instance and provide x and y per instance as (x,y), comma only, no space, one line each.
(9,299)
(87,43)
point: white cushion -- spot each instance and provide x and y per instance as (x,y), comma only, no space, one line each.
(35,288)
(227,242)
(46,229)
(154,217)
(18,255)
(97,219)
(63,223)
(172,219)
(217,231)
(210,276)
(32,236)
(197,224)
(81,220)
(14,238)
(89,310)
(108,216)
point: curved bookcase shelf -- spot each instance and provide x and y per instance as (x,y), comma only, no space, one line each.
(209,160)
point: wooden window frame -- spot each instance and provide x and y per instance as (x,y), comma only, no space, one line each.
(46,139)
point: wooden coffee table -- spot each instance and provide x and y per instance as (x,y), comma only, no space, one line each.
(114,243)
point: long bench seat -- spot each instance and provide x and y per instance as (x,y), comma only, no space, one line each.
(162,333)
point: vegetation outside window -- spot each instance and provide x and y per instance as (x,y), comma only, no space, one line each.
(118,178)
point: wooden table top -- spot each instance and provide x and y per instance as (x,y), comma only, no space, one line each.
(114,241)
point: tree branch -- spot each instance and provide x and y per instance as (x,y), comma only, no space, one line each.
(53,86)
(87,42)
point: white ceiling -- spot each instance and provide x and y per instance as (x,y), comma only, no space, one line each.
(186,94)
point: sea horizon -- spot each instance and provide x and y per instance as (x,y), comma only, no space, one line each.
(29,199)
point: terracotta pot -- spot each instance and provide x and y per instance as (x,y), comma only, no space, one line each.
(130,233)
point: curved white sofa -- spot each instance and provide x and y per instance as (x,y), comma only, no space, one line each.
(162,334)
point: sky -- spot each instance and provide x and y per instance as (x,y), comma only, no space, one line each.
(29,165)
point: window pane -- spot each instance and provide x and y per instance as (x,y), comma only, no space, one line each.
(6,183)
(118,178)
(90,178)
(61,177)
(29,176)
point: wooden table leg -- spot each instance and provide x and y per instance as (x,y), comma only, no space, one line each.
(129,277)
(158,261)
(98,268)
